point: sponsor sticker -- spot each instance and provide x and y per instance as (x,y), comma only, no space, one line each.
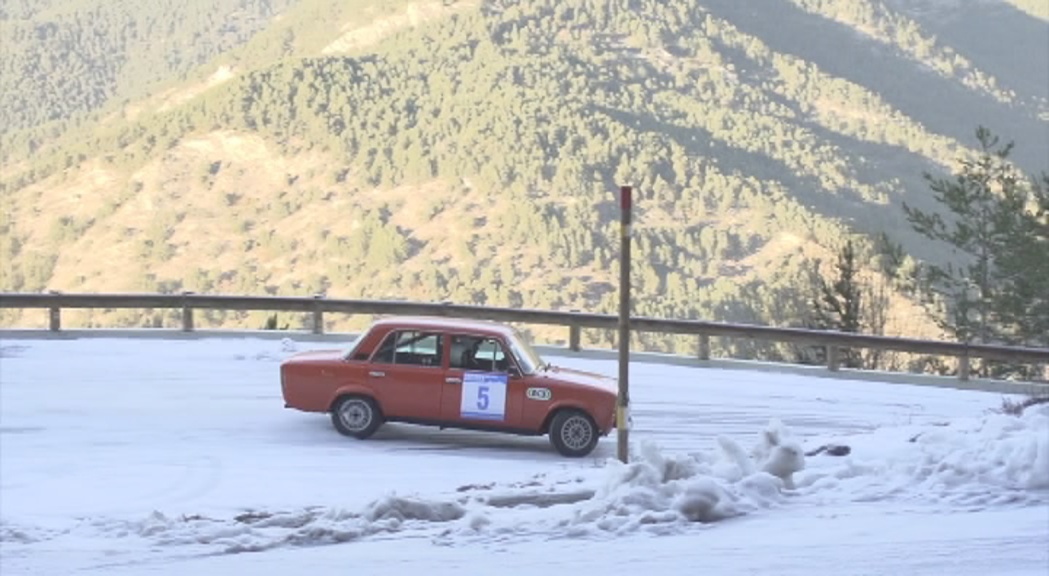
(538,393)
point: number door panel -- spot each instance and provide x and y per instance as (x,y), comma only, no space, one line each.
(477,387)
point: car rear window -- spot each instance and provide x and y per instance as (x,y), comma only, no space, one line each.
(410,347)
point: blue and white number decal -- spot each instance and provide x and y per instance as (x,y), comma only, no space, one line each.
(484,396)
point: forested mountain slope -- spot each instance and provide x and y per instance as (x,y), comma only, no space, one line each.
(63,59)
(470,151)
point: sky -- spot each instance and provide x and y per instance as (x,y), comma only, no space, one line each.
(136,456)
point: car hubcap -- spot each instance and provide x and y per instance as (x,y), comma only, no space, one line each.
(576,433)
(355,415)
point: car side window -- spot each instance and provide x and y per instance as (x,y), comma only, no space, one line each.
(478,353)
(410,347)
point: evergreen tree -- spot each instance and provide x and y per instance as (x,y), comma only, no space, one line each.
(1022,300)
(998,224)
(973,199)
(837,304)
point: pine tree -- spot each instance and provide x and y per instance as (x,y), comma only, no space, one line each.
(972,196)
(1022,271)
(999,223)
(838,304)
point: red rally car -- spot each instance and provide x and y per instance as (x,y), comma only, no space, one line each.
(451,373)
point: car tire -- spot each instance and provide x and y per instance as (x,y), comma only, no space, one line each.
(573,433)
(356,416)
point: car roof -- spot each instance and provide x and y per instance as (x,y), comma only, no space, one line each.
(445,324)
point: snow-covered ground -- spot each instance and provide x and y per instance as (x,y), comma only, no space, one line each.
(177,457)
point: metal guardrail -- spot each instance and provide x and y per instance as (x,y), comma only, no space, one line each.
(317,306)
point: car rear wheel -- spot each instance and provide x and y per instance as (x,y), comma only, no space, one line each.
(356,416)
(573,433)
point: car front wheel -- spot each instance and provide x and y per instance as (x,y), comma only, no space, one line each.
(356,416)
(573,433)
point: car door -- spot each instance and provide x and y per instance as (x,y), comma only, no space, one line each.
(478,388)
(406,372)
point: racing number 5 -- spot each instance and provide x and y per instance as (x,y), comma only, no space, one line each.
(482,397)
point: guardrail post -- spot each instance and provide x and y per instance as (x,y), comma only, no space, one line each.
(187,313)
(833,358)
(575,333)
(54,316)
(963,368)
(318,314)
(703,352)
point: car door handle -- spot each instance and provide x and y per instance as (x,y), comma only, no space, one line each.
(376,374)
(453,380)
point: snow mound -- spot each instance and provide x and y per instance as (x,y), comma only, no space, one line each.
(658,489)
(993,460)
(259,530)
(10,534)
(777,454)
(403,509)
(664,493)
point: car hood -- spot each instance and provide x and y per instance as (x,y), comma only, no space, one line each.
(317,356)
(579,378)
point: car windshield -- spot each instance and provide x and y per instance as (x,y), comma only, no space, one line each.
(526,356)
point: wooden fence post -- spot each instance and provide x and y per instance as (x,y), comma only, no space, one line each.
(187,313)
(54,316)
(575,333)
(833,358)
(318,314)
(963,368)
(703,351)
(623,397)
